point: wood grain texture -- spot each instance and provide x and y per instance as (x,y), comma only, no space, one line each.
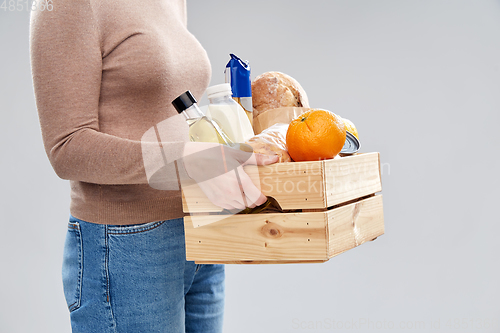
(354,224)
(294,185)
(283,237)
(260,237)
(265,262)
(303,185)
(351,177)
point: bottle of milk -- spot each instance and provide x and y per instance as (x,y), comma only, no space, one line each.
(228,113)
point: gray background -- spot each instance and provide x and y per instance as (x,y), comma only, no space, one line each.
(421,81)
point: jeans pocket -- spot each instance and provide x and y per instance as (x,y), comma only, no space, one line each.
(72,266)
(133,228)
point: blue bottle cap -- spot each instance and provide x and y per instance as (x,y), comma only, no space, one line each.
(238,74)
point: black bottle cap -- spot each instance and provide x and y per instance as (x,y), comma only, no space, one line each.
(184,101)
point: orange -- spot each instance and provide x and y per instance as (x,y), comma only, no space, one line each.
(315,135)
(349,126)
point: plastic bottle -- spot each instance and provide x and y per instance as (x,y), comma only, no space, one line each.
(228,113)
(201,128)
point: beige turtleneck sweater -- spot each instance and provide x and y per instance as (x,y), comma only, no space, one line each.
(104,72)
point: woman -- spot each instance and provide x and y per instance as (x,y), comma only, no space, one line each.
(104,73)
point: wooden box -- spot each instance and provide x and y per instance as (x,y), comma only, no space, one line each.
(329,207)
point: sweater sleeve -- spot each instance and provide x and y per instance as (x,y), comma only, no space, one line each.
(66,65)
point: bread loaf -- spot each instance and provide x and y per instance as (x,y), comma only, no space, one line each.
(272,141)
(273,90)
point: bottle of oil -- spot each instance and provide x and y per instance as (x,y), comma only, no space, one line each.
(201,128)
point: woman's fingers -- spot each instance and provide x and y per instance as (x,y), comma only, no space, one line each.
(253,195)
(233,191)
(219,173)
(208,161)
(260,200)
(237,205)
(224,191)
(245,158)
(266,159)
(261,159)
(231,205)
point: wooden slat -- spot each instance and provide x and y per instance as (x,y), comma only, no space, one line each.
(352,225)
(194,200)
(321,184)
(268,262)
(283,237)
(260,237)
(351,177)
(303,185)
(294,185)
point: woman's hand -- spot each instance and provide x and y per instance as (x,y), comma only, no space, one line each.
(218,170)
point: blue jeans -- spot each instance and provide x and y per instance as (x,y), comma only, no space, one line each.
(135,278)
